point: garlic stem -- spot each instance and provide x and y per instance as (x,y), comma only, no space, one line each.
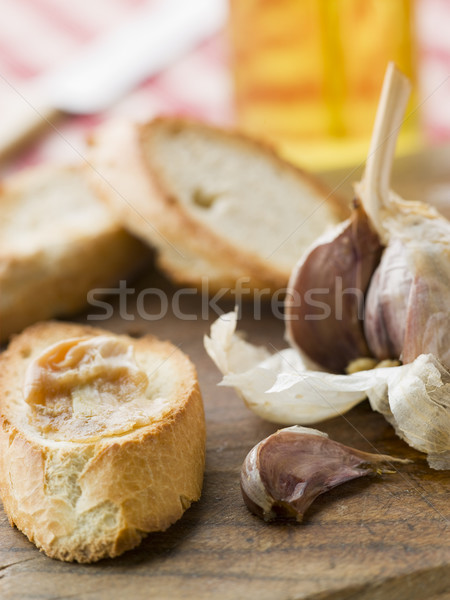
(389,118)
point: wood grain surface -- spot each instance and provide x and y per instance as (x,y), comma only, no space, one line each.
(380,538)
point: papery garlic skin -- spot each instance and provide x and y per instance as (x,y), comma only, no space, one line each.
(416,401)
(254,492)
(324,306)
(414,398)
(252,371)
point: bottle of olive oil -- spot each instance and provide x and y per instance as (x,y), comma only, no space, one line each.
(308,73)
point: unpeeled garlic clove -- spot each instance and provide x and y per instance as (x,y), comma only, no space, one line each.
(386,303)
(284,474)
(408,301)
(325,301)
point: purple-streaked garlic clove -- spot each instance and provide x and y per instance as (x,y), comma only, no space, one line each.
(284,474)
(325,301)
(387,303)
(408,302)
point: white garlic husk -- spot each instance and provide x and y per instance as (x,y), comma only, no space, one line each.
(414,398)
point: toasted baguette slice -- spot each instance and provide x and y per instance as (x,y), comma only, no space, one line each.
(102,438)
(57,241)
(215,204)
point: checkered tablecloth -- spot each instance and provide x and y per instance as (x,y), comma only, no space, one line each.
(39,35)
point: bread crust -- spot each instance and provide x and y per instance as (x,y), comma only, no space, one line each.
(59,277)
(188,250)
(118,488)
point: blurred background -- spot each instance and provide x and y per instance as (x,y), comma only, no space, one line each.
(303,74)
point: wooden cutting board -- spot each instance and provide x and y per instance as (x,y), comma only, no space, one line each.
(377,538)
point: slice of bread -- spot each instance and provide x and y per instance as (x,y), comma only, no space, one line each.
(102,438)
(215,204)
(57,241)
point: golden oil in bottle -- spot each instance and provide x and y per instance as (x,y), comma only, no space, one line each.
(308,73)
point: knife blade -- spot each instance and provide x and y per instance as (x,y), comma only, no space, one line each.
(102,72)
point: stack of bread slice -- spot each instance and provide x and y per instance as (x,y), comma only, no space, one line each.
(220,209)
(102,436)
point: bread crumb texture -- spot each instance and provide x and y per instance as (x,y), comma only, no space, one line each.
(102,438)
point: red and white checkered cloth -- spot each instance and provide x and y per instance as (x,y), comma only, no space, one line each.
(39,35)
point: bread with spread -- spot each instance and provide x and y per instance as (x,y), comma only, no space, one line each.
(102,438)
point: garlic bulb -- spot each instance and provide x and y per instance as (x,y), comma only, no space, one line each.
(408,301)
(407,305)
(283,475)
(407,314)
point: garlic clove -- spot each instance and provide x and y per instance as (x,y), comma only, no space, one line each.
(386,303)
(282,475)
(408,302)
(426,237)
(325,301)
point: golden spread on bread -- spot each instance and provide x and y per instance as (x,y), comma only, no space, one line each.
(80,387)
